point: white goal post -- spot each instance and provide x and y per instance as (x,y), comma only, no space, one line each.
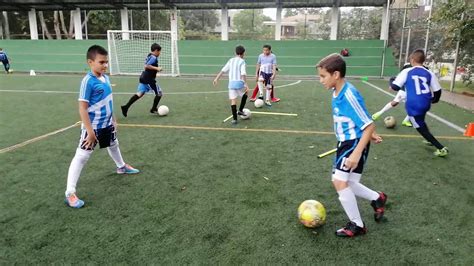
(129,49)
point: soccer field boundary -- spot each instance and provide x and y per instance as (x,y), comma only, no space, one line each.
(440,119)
(131,92)
(36,139)
(260,130)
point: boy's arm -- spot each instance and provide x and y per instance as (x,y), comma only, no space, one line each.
(214,82)
(399,81)
(436,87)
(150,67)
(353,160)
(91,138)
(257,71)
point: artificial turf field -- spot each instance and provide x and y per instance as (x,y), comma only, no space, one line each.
(210,193)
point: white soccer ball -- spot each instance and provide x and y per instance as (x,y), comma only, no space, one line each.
(163,110)
(390,122)
(247,113)
(258,103)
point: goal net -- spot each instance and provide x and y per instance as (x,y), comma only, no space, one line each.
(128,51)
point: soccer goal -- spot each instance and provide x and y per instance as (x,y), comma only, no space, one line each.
(128,50)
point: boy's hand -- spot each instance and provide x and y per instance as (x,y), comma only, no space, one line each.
(353,160)
(159,69)
(90,141)
(376,138)
(214,82)
(272,77)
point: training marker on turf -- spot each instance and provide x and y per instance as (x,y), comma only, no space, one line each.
(327,153)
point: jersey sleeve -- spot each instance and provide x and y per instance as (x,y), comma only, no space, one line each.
(259,60)
(356,109)
(85,91)
(434,84)
(226,67)
(151,60)
(401,78)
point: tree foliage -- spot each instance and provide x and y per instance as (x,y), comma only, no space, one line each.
(456,19)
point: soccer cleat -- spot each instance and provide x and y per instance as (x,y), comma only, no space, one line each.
(253,99)
(268,103)
(234,122)
(127,169)
(154,111)
(124,110)
(73,201)
(241,113)
(442,152)
(379,206)
(407,123)
(375,116)
(350,230)
(275,100)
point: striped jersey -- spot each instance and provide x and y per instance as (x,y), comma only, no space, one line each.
(349,113)
(419,83)
(98,94)
(237,68)
(3,56)
(266,63)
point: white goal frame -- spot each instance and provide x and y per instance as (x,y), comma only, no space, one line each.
(130,60)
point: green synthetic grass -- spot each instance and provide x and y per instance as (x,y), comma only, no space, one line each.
(222,197)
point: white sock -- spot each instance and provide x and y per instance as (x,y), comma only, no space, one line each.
(349,203)
(260,88)
(268,94)
(115,154)
(77,163)
(359,189)
(406,119)
(387,107)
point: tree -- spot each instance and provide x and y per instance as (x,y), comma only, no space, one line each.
(361,23)
(199,20)
(457,21)
(250,21)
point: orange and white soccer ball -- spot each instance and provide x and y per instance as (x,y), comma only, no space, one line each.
(311,213)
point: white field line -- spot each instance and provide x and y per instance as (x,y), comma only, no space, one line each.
(442,120)
(24,143)
(130,93)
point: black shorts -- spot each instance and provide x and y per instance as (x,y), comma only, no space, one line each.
(344,150)
(106,137)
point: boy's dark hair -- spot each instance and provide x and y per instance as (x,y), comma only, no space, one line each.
(268,46)
(94,50)
(155,47)
(333,63)
(239,50)
(418,56)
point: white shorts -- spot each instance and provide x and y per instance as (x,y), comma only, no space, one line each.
(234,94)
(400,97)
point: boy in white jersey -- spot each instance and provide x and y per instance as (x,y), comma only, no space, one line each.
(98,123)
(237,81)
(354,130)
(266,70)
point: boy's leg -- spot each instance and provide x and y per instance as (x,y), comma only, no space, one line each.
(406,122)
(361,190)
(142,89)
(243,101)
(158,95)
(254,94)
(420,125)
(233,95)
(116,155)
(75,168)
(387,107)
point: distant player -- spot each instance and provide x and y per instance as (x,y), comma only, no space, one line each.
(422,89)
(354,130)
(237,81)
(400,97)
(98,123)
(266,71)
(5,61)
(147,81)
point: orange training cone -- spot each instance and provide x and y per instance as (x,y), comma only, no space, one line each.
(469,130)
